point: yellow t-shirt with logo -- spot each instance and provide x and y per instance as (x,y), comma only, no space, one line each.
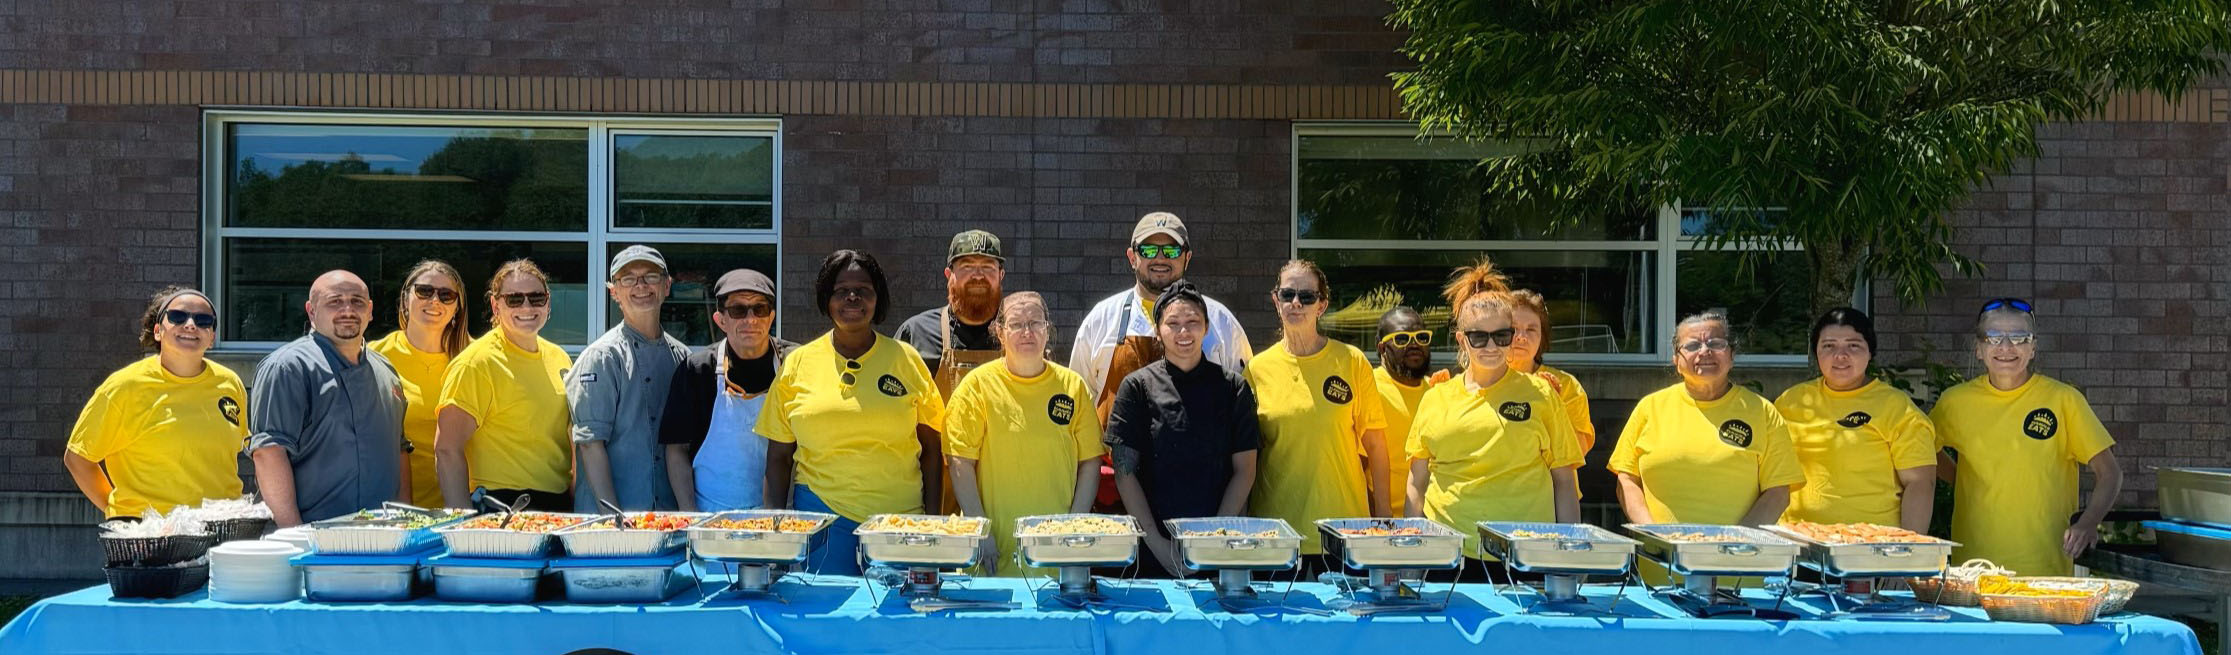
(2017,483)
(1399,402)
(421,373)
(1026,435)
(857,449)
(518,399)
(1705,461)
(1852,445)
(1313,411)
(1490,452)
(165,440)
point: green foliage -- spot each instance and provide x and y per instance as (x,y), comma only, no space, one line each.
(1867,120)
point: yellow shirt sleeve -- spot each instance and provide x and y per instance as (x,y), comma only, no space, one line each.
(965,419)
(471,386)
(1627,457)
(1914,445)
(1369,413)
(97,434)
(1777,464)
(774,415)
(1576,409)
(929,407)
(1563,449)
(1083,430)
(2087,437)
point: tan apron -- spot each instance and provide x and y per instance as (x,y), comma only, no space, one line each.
(952,365)
(1131,354)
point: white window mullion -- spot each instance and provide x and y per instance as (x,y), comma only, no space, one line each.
(600,222)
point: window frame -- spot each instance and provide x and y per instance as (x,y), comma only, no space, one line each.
(596,237)
(1667,247)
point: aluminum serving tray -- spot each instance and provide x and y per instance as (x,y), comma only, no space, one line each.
(2195,495)
(1923,557)
(359,583)
(499,543)
(1438,548)
(349,535)
(1106,548)
(1576,548)
(1246,551)
(466,584)
(757,546)
(905,548)
(630,584)
(1755,551)
(600,538)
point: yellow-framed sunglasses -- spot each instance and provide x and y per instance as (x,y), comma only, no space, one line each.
(1404,339)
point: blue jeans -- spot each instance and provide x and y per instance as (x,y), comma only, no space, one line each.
(836,550)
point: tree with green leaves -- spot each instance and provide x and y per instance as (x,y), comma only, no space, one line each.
(1861,123)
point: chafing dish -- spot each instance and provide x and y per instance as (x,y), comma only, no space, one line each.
(1911,557)
(2195,495)
(1235,543)
(1410,543)
(1721,550)
(1113,546)
(499,542)
(1565,548)
(602,537)
(379,531)
(888,539)
(765,546)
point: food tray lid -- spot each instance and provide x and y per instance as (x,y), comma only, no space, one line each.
(670,559)
(983,525)
(1748,535)
(445,559)
(1580,531)
(2204,531)
(1130,525)
(1242,524)
(1430,527)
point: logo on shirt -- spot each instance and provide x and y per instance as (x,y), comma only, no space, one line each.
(890,386)
(1061,409)
(1855,419)
(1736,433)
(585,377)
(2041,424)
(230,408)
(1516,411)
(1337,390)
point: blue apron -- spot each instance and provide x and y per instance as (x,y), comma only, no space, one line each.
(731,465)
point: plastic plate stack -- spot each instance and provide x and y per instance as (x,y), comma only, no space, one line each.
(254,572)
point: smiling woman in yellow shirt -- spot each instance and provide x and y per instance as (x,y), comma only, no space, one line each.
(432,329)
(503,422)
(167,428)
(1017,442)
(1870,455)
(1318,406)
(2020,437)
(1705,450)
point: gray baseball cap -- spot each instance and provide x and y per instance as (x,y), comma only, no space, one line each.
(1158,223)
(633,254)
(743,279)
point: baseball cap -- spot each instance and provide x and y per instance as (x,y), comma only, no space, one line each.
(1158,223)
(743,279)
(636,253)
(974,242)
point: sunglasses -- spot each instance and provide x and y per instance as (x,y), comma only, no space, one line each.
(1714,344)
(1297,296)
(180,317)
(738,312)
(851,372)
(2018,304)
(1997,338)
(1161,251)
(517,300)
(1404,339)
(430,292)
(1480,338)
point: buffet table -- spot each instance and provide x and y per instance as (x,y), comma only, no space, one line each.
(838,614)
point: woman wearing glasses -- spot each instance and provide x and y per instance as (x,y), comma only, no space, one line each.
(1020,433)
(167,428)
(503,423)
(1319,409)
(1495,445)
(1869,455)
(1705,450)
(2019,437)
(857,412)
(432,330)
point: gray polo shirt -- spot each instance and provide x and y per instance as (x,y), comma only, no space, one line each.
(341,425)
(617,390)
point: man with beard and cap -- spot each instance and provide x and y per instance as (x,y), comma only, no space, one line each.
(1404,373)
(326,427)
(617,393)
(958,337)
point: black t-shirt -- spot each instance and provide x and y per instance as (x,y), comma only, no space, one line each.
(689,396)
(1185,425)
(921,332)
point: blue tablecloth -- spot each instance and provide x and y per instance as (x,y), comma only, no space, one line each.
(839,614)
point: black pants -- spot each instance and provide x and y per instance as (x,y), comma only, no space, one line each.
(538,500)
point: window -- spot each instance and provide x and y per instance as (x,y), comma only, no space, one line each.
(1388,215)
(294,194)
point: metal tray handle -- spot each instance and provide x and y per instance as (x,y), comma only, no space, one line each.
(917,540)
(1575,544)
(745,535)
(1080,541)
(1406,541)
(1243,543)
(1894,551)
(1740,550)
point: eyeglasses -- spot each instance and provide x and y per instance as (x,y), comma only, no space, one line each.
(1480,338)
(1159,250)
(1714,344)
(2018,304)
(444,295)
(851,372)
(738,312)
(1404,339)
(632,281)
(517,300)
(1997,338)
(180,317)
(1299,296)
(1038,327)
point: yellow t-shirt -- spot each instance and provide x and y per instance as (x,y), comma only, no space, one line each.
(421,373)
(1313,411)
(1574,399)
(165,440)
(1026,435)
(856,443)
(1705,462)
(2016,487)
(1399,402)
(1490,452)
(518,398)
(1852,445)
